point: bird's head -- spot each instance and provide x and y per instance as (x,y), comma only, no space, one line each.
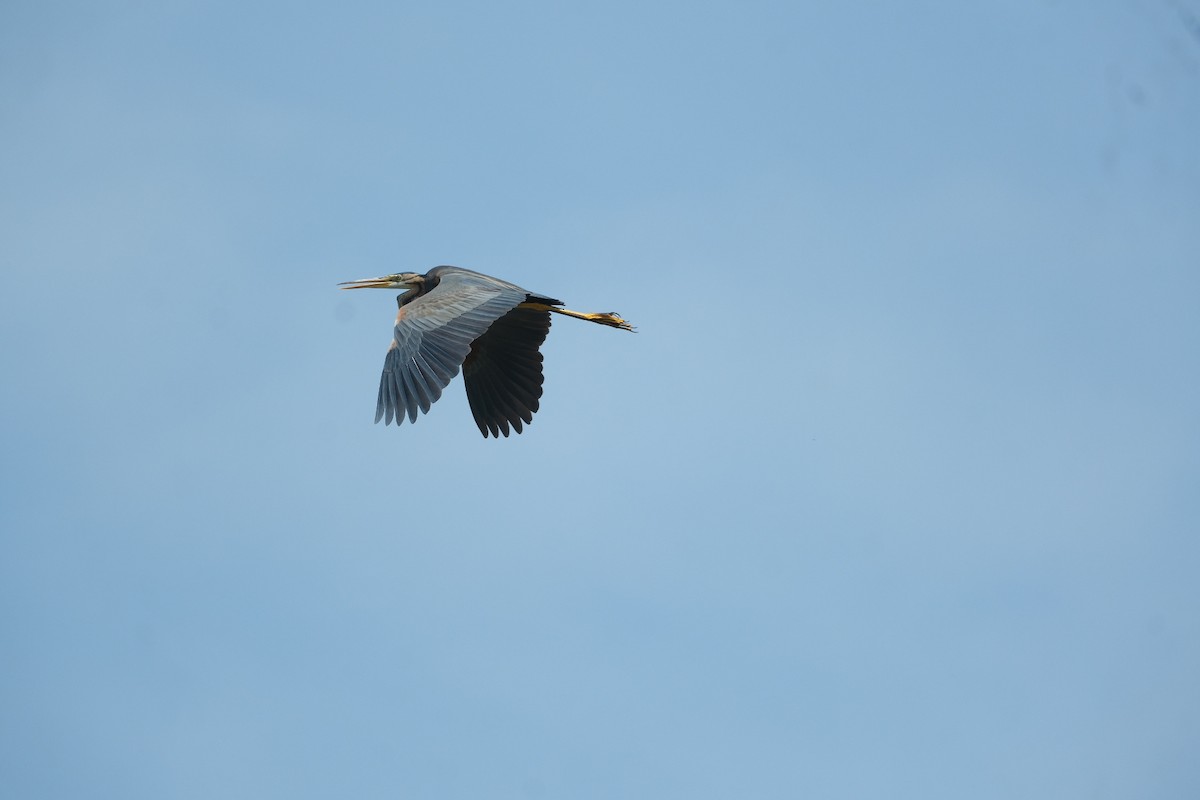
(400,280)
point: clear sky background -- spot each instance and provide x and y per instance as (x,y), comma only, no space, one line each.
(895,493)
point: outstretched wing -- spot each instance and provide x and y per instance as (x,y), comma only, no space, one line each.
(503,372)
(433,336)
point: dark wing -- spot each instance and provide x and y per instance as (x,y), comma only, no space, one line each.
(503,372)
(433,336)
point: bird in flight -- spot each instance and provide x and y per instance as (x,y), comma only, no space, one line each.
(451,317)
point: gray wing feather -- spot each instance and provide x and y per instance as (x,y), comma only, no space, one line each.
(433,336)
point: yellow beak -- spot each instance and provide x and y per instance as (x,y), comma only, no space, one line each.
(369,283)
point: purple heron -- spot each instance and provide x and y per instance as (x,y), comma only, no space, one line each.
(451,317)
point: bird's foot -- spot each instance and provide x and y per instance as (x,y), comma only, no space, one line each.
(612,320)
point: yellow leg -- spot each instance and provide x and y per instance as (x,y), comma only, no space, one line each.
(610,319)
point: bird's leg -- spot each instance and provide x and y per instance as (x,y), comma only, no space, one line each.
(610,319)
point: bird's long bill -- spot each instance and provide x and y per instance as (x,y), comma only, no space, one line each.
(367,283)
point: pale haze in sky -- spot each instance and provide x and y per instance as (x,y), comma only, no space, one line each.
(895,493)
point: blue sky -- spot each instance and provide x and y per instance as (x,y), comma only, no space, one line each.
(894,494)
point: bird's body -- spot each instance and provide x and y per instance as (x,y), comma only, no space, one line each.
(451,317)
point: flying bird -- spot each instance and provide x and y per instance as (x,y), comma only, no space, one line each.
(451,317)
